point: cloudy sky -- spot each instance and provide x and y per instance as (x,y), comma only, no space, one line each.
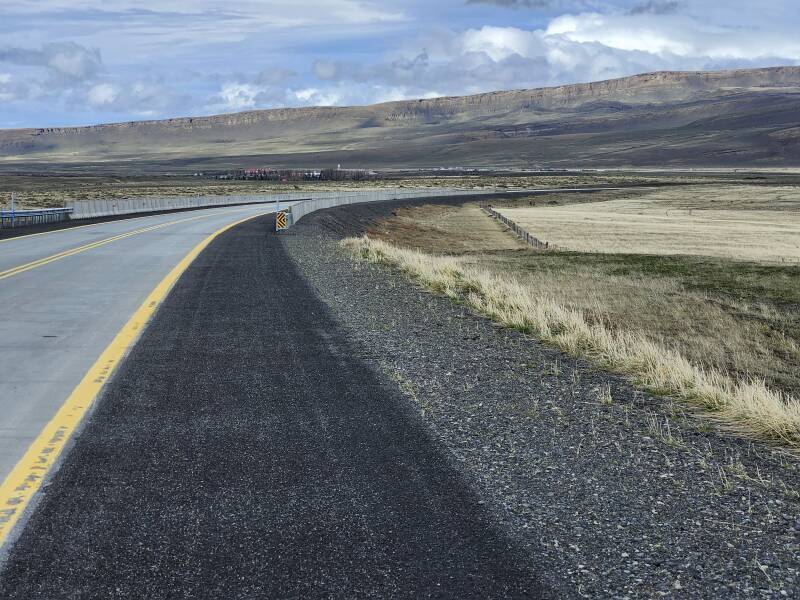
(65,62)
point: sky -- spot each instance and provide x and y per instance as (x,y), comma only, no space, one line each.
(76,62)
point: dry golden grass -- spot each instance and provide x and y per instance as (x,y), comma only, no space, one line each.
(746,405)
(446,230)
(732,316)
(754,223)
(742,338)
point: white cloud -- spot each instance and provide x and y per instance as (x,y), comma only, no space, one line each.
(103,94)
(172,57)
(318,97)
(238,96)
(245,96)
(498,43)
(570,48)
(306,94)
(675,34)
(6,91)
(66,62)
(200,22)
(139,98)
(72,61)
(276,12)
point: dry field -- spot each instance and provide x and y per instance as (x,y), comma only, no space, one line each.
(447,230)
(754,223)
(52,190)
(722,334)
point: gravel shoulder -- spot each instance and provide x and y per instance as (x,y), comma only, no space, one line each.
(627,498)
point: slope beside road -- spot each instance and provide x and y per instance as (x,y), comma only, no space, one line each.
(623,495)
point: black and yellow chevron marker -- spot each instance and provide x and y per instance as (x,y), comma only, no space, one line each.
(280,221)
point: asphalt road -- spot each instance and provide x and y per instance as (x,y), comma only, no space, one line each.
(242,452)
(57,317)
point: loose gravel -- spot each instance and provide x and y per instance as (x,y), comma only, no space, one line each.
(613,492)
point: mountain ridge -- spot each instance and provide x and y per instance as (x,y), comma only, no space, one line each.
(570,90)
(453,127)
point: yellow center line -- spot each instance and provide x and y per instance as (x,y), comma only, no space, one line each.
(90,246)
(19,488)
(68,229)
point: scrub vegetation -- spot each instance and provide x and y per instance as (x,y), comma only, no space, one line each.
(720,333)
(45,189)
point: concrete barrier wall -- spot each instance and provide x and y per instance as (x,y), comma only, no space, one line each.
(88,209)
(301,209)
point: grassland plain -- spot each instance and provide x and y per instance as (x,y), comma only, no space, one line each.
(723,334)
(42,189)
(753,223)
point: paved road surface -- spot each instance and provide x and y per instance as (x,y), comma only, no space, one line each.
(241,452)
(57,317)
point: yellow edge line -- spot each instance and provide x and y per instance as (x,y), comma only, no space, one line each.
(24,481)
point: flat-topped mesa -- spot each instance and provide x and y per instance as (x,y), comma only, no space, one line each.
(720,117)
(240,119)
(647,88)
(639,89)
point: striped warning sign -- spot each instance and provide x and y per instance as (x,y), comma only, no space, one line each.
(280,221)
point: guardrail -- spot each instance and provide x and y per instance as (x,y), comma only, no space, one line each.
(524,235)
(301,209)
(23,218)
(90,209)
(300,202)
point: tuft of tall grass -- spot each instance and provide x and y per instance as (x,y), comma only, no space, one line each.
(746,406)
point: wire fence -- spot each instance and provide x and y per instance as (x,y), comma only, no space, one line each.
(301,209)
(523,234)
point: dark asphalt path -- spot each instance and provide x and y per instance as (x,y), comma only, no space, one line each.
(240,452)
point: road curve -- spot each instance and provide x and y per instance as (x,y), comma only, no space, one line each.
(65,294)
(242,452)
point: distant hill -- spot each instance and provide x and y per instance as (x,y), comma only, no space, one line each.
(726,118)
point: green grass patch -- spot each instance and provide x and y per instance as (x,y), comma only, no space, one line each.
(741,281)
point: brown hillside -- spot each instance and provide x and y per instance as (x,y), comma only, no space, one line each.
(658,119)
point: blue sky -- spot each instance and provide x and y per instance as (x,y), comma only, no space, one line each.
(72,62)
